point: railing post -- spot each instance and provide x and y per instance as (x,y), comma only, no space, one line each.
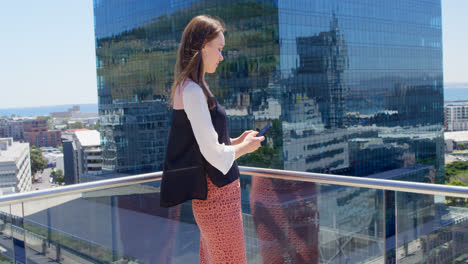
(49,230)
(396,226)
(24,234)
(44,247)
(58,252)
(453,245)
(11,235)
(114,227)
(390,226)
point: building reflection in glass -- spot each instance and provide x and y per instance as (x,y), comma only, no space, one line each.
(351,88)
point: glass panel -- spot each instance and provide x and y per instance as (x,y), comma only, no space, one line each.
(111,225)
(296,222)
(45,239)
(17,231)
(285,221)
(431,229)
(6,240)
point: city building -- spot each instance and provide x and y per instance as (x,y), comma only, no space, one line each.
(62,120)
(54,157)
(352,88)
(12,128)
(37,134)
(59,162)
(82,155)
(69,113)
(15,167)
(456,117)
(134,134)
(456,140)
(70,162)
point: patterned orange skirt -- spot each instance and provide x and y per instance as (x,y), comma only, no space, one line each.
(219,218)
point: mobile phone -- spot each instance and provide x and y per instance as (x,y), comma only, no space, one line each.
(264,130)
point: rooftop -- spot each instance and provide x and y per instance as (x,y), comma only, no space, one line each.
(458,136)
(13,152)
(77,129)
(88,138)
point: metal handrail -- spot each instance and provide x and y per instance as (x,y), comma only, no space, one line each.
(78,188)
(363,182)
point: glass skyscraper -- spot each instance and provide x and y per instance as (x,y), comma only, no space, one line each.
(351,88)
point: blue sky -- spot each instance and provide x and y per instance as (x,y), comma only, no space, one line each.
(48,55)
(455,40)
(48,51)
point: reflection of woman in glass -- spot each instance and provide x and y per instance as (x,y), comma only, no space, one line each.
(199,144)
(286,220)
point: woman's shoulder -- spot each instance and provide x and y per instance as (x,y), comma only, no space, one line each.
(192,88)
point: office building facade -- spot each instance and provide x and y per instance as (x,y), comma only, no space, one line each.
(37,134)
(82,155)
(352,88)
(12,128)
(456,117)
(15,167)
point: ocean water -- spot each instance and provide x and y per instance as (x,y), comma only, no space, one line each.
(46,110)
(451,94)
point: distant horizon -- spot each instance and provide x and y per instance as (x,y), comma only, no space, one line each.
(457,84)
(34,111)
(452,85)
(38,106)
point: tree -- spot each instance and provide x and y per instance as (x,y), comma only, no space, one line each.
(264,157)
(455,169)
(49,123)
(95,126)
(456,201)
(38,163)
(59,178)
(76,124)
(267,156)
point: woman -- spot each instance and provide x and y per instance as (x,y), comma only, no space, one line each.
(200,158)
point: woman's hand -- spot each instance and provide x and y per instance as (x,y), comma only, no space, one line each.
(252,141)
(240,139)
(250,144)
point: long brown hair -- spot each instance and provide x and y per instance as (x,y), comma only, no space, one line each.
(201,30)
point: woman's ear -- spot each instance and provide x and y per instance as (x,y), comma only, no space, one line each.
(203,50)
(204,44)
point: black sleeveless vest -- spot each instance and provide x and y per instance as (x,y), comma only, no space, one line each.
(185,167)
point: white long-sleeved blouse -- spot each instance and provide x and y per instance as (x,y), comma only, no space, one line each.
(220,156)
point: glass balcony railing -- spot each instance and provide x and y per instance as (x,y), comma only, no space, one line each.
(289,217)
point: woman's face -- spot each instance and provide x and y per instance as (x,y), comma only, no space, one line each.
(211,53)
